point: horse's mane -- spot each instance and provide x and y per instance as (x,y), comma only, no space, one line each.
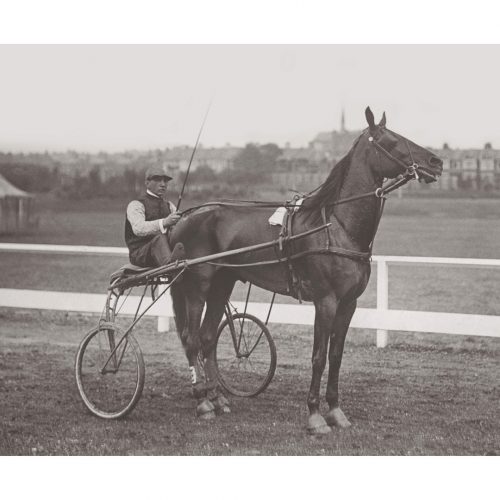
(329,191)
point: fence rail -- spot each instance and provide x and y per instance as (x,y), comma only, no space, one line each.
(382,319)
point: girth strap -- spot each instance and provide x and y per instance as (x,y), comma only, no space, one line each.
(285,254)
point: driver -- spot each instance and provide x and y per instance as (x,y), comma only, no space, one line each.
(148,222)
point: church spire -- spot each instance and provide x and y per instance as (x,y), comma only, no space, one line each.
(342,121)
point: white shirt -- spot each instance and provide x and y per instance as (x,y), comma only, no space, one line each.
(136,215)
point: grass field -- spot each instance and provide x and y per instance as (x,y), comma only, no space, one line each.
(423,395)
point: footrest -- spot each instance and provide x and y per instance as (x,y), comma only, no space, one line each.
(128,270)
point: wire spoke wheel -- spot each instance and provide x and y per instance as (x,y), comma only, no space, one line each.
(109,371)
(245,355)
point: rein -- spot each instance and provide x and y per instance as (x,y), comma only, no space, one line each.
(411,172)
(380,192)
(390,186)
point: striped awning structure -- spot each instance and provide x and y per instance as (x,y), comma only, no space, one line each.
(7,189)
(16,209)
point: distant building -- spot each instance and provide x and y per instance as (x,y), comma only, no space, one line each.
(334,145)
(303,169)
(463,169)
(300,169)
(218,159)
(476,169)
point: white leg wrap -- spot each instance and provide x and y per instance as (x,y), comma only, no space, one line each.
(194,379)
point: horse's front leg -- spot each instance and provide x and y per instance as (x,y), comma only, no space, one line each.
(340,327)
(326,309)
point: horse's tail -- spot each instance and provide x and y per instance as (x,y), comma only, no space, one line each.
(179,305)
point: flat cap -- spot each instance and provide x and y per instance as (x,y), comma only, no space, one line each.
(157,170)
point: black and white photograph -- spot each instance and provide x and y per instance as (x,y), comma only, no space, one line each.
(235,250)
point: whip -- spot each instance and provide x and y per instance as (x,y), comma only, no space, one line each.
(192,156)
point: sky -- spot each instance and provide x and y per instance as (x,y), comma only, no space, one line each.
(119,97)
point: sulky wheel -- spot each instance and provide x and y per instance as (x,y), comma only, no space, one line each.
(109,371)
(245,355)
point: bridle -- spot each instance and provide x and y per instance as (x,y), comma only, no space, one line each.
(413,171)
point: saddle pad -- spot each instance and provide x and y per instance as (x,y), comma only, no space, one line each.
(277,218)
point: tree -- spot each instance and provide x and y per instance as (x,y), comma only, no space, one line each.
(204,174)
(254,163)
(270,154)
(249,160)
(94,180)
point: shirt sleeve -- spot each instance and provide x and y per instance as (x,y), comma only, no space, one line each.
(173,209)
(136,215)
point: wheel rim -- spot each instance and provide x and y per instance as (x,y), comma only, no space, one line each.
(248,372)
(110,384)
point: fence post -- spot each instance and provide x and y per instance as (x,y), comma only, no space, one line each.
(164,322)
(382,297)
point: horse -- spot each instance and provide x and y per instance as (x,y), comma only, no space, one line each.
(332,266)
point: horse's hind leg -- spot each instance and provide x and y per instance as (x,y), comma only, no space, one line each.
(341,325)
(194,301)
(325,314)
(220,291)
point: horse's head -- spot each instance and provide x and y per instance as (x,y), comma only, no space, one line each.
(391,154)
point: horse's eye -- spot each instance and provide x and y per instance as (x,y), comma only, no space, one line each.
(388,142)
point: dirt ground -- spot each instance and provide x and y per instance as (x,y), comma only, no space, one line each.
(423,395)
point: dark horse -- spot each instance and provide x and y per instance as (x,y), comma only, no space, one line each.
(332,280)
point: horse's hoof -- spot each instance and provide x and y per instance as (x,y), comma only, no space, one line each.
(205,410)
(316,425)
(335,417)
(221,405)
(222,410)
(209,415)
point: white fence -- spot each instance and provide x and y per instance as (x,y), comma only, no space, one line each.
(381,319)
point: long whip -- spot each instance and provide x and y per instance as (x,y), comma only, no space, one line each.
(192,156)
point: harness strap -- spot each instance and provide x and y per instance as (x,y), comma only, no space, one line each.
(414,170)
(282,240)
(323,216)
(389,155)
(284,255)
(293,277)
(394,184)
(383,199)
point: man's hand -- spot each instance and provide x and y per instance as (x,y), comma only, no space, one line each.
(171,220)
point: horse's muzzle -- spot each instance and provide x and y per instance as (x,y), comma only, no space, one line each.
(436,162)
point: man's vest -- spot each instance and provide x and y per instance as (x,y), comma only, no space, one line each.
(155,208)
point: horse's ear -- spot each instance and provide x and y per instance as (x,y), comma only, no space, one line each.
(370,118)
(383,121)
